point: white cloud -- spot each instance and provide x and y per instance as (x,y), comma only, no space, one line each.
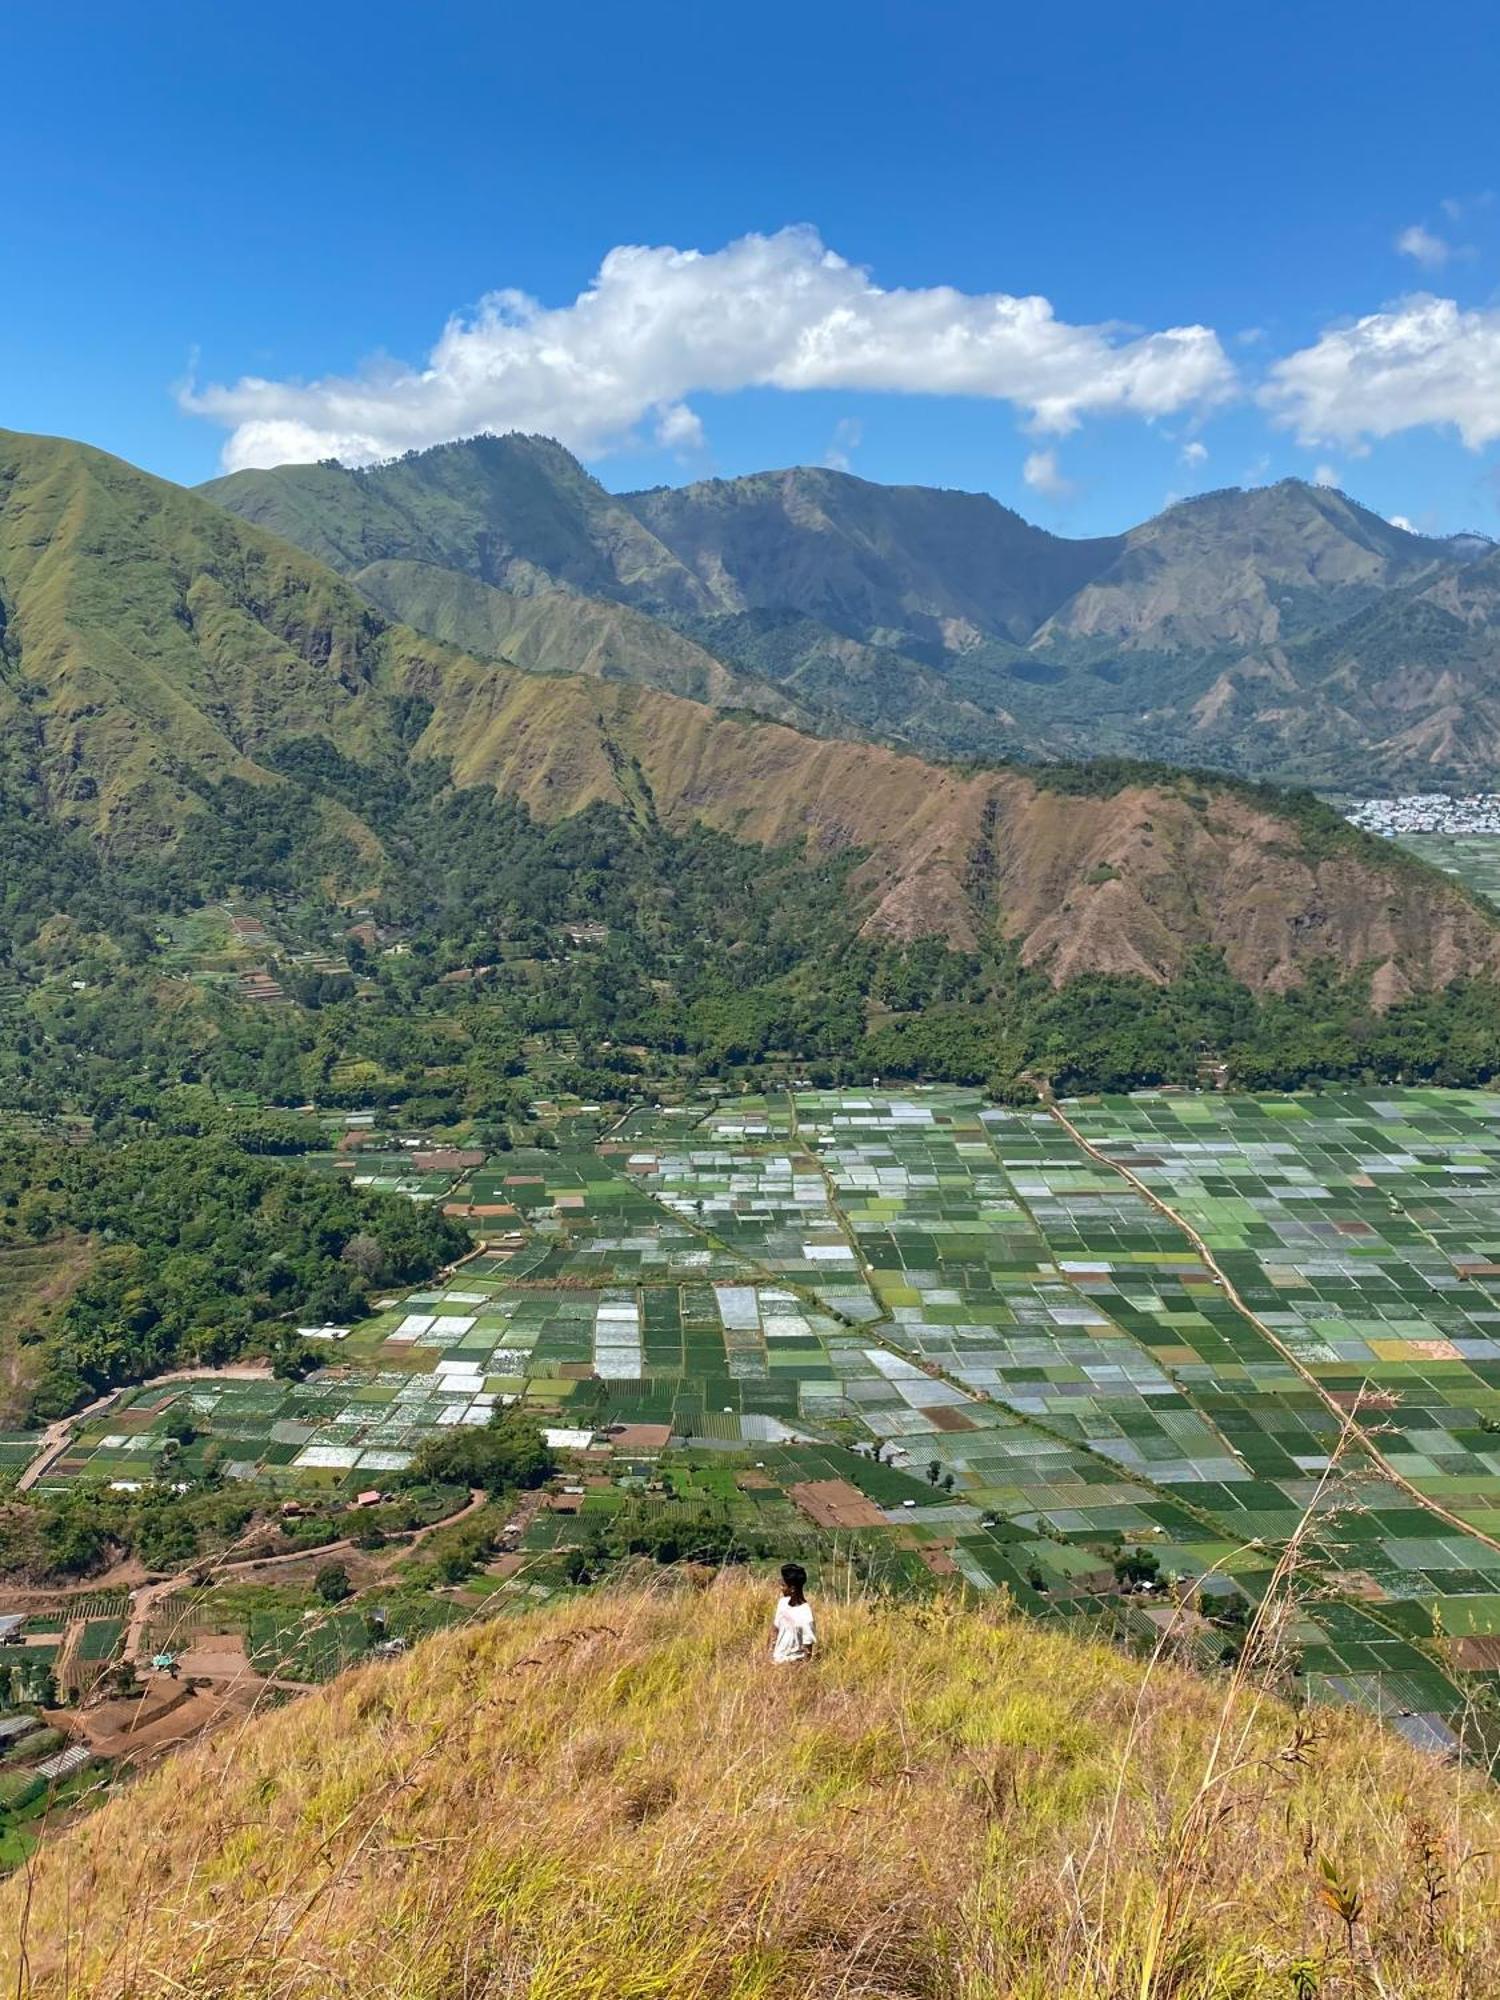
(679,428)
(1430,251)
(1043,475)
(1400,521)
(657,325)
(1325,475)
(1422,360)
(1194,453)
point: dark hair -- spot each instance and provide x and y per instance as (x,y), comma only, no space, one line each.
(794,1576)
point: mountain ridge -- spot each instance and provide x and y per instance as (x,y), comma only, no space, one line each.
(158,649)
(943,619)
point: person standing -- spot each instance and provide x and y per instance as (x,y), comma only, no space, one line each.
(793,1636)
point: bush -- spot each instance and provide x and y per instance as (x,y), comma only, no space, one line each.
(332,1583)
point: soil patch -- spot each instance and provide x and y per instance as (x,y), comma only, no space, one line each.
(834,1503)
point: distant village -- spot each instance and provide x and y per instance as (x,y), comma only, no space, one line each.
(1428,812)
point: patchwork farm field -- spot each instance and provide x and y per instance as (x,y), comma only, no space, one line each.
(1146,1340)
(1474,858)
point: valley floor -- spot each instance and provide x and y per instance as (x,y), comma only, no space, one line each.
(1115,1357)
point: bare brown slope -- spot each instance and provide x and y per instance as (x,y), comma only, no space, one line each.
(1127,883)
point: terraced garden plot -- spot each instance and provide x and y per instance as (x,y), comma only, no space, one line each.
(1357,1226)
(771,1207)
(336,1434)
(17,1449)
(957,1223)
(594,1223)
(390,1173)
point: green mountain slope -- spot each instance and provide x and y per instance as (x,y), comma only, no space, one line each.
(152,646)
(517,512)
(909,567)
(558,631)
(157,650)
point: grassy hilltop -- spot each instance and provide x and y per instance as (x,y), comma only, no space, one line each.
(615,1798)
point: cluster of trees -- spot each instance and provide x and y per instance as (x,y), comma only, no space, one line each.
(712,959)
(81,1530)
(205,1252)
(1010,1030)
(507,1454)
(679,1534)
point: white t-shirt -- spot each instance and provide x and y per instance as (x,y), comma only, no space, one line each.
(795,1636)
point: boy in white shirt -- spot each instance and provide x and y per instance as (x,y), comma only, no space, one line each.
(792,1635)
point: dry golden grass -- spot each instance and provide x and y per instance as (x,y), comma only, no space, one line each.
(617,1798)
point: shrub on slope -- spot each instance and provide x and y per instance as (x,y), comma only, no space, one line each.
(616,1798)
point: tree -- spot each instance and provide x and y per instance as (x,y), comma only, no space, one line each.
(366,1256)
(1135,1567)
(332,1583)
(934,1471)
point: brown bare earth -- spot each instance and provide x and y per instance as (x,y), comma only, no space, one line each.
(938,1560)
(169,1712)
(944,1417)
(640,1437)
(834,1503)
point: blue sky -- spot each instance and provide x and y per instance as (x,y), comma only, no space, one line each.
(252,200)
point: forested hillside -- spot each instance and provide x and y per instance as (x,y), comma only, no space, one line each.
(202,721)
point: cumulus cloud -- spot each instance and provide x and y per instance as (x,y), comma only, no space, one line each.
(1420,361)
(1326,475)
(1430,251)
(679,428)
(1400,521)
(1043,475)
(1194,453)
(657,325)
